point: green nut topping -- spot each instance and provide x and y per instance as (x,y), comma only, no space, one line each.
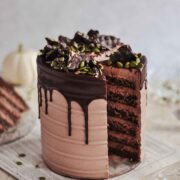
(127,65)
(61,59)
(119,64)
(140,65)
(54,63)
(109,62)
(96,50)
(82,64)
(133,64)
(82,48)
(138,60)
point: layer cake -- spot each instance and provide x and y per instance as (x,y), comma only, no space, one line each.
(92,99)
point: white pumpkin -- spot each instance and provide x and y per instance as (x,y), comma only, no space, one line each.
(19,67)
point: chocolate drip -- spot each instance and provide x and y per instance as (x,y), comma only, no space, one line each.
(39,98)
(46,101)
(51,92)
(82,89)
(85,109)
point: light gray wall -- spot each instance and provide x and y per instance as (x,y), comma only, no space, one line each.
(149,26)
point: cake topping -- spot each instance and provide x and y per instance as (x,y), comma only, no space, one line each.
(77,55)
(125,58)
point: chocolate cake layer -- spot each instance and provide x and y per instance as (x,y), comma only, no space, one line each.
(123,114)
(124,151)
(120,82)
(122,90)
(129,109)
(8,92)
(11,106)
(123,139)
(128,100)
(120,125)
(7,117)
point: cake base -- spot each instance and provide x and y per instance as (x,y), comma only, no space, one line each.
(117,166)
(21,129)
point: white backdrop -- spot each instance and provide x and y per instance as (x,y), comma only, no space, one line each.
(149,26)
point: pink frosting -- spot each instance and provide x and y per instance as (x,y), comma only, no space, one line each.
(69,155)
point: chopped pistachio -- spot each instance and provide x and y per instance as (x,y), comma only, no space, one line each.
(56,67)
(75,45)
(82,64)
(96,50)
(133,64)
(53,63)
(119,64)
(127,65)
(83,69)
(109,62)
(42,178)
(61,59)
(138,60)
(19,163)
(82,48)
(91,73)
(140,65)
(73,48)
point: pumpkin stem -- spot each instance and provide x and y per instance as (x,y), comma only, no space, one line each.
(20,48)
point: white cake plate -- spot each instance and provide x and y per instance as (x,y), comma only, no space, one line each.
(22,128)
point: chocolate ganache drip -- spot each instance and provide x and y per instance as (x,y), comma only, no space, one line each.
(82,89)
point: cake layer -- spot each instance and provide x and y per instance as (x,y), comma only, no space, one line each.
(122,90)
(124,151)
(120,82)
(123,139)
(9,107)
(11,96)
(123,114)
(119,106)
(130,78)
(127,100)
(8,118)
(118,124)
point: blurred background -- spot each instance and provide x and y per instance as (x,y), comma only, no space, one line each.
(151,27)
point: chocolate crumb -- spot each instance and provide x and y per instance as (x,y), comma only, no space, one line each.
(22,155)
